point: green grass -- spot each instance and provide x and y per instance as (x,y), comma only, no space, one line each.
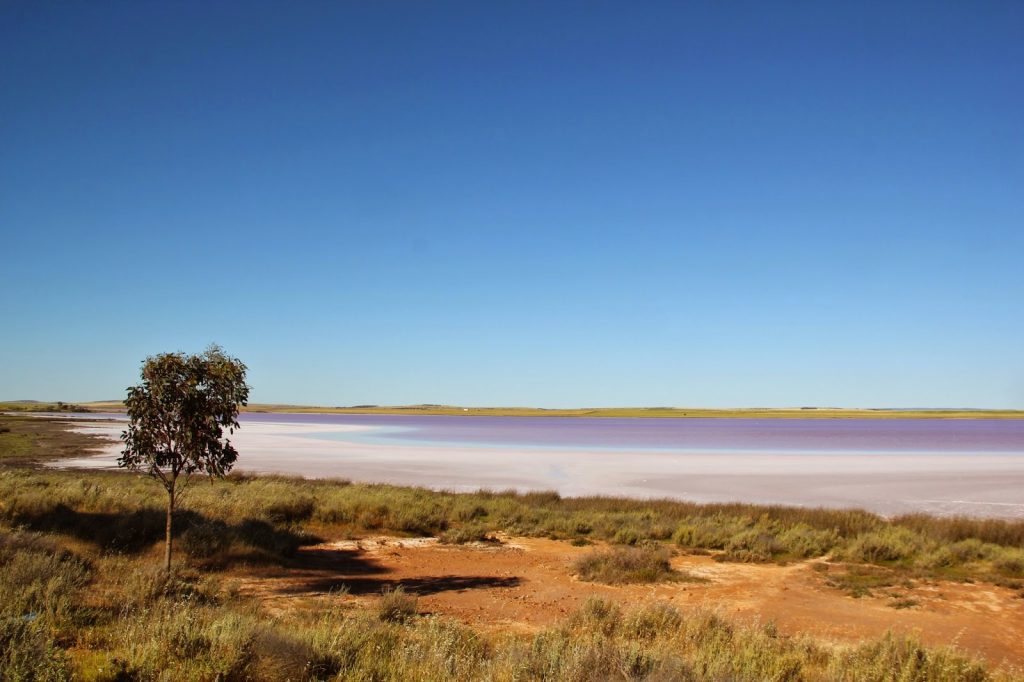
(14,445)
(27,439)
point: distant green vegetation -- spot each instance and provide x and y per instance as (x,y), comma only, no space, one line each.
(33,406)
(676,412)
(25,439)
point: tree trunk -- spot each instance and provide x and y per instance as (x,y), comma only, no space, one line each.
(170,517)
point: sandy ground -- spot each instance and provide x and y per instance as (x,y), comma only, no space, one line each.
(526,583)
(938,483)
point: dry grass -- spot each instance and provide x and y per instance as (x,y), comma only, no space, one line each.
(619,565)
(397,606)
(136,626)
(265,519)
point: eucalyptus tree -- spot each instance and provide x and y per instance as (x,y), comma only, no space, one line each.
(177,418)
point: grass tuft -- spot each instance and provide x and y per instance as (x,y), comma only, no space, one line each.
(646,564)
(397,606)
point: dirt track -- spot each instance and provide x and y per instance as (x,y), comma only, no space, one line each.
(527,583)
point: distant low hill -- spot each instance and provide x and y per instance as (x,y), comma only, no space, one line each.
(807,412)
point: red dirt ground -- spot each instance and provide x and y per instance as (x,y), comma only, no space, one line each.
(528,583)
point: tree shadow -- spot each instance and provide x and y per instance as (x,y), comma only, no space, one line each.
(136,531)
(215,543)
(336,561)
(324,570)
(420,586)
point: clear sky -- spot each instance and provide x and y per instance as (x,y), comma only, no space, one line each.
(518,203)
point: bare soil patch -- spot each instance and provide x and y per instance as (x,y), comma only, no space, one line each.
(528,583)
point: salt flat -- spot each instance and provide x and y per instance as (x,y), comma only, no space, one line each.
(980,477)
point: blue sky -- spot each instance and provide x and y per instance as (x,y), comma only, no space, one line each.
(554,204)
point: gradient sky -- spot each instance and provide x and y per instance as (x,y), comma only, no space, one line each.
(521,203)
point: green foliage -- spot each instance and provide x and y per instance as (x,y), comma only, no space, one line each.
(178,415)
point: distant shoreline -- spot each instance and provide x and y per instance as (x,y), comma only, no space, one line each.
(606,412)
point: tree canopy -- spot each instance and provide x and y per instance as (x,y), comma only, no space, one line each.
(177,418)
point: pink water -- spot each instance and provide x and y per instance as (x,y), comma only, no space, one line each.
(891,466)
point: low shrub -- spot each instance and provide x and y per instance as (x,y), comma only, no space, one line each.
(467,534)
(206,539)
(28,652)
(711,532)
(655,620)
(39,579)
(646,564)
(903,658)
(596,615)
(952,529)
(752,546)
(397,606)
(859,581)
(938,558)
(290,510)
(904,603)
(195,641)
(888,544)
(1009,562)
